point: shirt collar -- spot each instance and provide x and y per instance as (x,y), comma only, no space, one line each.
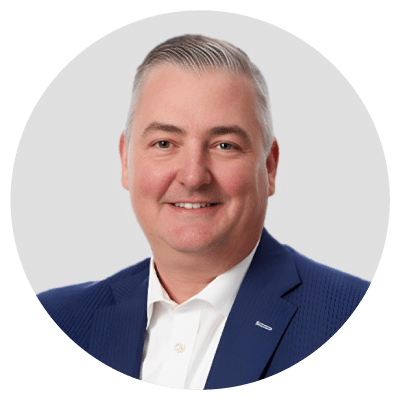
(220,293)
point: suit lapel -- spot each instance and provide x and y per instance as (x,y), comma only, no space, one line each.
(117,335)
(258,318)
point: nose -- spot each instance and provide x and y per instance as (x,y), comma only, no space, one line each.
(194,171)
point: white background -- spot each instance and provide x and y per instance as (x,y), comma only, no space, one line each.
(72,218)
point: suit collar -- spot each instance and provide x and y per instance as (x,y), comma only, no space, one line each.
(124,284)
(246,344)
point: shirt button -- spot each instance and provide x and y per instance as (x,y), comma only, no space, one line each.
(180,348)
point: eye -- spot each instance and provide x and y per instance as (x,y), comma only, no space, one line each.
(225,146)
(163,144)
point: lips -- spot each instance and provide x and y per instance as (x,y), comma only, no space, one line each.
(190,206)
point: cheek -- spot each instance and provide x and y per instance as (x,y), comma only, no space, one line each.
(246,184)
(148,181)
(238,181)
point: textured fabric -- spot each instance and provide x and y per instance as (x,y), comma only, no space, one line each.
(195,326)
(286,308)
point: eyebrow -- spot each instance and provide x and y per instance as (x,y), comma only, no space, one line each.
(156,126)
(229,129)
(217,130)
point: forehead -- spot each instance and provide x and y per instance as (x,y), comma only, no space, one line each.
(174,95)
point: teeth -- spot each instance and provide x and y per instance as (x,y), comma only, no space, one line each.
(192,205)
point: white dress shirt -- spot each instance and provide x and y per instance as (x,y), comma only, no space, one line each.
(181,340)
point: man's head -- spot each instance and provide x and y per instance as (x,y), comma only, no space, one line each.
(197,164)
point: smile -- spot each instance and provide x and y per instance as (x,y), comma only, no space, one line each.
(193,205)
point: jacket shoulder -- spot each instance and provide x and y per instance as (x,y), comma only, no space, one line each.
(72,307)
(328,281)
(326,298)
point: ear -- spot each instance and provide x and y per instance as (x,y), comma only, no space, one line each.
(123,153)
(272,167)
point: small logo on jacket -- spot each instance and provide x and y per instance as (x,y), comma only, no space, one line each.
(268,328)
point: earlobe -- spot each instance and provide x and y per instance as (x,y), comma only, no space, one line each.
(272,167)
(123,153)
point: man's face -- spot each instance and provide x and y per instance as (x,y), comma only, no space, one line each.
(198,172)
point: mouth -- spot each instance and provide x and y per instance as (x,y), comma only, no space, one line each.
(190,206)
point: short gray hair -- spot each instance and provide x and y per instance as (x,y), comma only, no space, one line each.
(202,54)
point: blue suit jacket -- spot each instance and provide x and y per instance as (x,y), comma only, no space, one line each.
(301,302)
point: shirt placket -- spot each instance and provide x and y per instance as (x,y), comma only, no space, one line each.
(185,325)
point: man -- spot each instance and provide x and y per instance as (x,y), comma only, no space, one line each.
(220,303)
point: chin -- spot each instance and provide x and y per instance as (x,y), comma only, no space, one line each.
(193,243)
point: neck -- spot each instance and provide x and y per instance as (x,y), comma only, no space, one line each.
(182,284)
(183,275)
